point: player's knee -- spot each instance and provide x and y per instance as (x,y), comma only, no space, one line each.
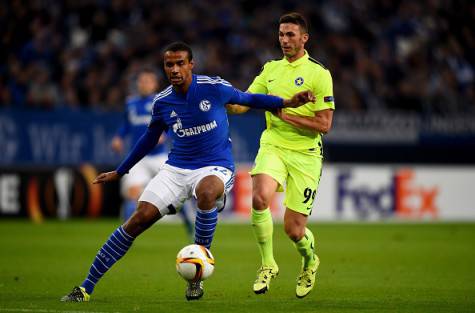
(259,201)
(206,199)
(294,232)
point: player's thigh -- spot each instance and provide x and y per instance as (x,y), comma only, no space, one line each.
(219,178)
(269,161)
(211,186)
(302,182)
(167,190)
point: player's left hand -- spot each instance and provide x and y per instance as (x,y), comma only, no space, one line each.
(106,177)
(299,99)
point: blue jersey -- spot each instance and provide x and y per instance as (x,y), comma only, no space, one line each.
(137,117)
(197,122)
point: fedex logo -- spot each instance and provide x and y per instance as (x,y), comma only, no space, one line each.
(394,194)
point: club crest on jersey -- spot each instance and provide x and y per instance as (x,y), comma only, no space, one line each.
(205,105)
(299,81)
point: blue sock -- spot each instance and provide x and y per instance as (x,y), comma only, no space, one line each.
(129,208)
(115,247)
(205,225)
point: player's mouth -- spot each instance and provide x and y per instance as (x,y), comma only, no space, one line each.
(175,79)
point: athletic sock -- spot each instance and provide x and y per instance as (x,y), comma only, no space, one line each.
(205,225)
(263,230)
(305,247)
(115,247)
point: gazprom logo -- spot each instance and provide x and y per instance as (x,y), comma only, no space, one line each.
(205,105)
(195,130)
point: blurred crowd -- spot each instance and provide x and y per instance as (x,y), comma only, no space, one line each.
(416,56)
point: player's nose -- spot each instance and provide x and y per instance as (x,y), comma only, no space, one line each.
(174,69)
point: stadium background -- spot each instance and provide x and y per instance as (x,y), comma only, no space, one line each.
(402,146)
(403,78)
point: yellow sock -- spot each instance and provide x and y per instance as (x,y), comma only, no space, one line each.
(305,247)
(263,229)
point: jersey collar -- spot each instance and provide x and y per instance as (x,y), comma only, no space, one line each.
(296,63)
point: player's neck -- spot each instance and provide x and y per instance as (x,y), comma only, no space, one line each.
(183,88)
(297,56)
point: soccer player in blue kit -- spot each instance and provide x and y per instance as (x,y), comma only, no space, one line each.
(193,112)
(136,119)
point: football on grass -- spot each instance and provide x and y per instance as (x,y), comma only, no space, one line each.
(194,263)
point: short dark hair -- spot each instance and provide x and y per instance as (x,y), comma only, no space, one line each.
(295,18)
(179,46)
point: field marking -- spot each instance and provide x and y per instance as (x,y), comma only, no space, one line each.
(48,311)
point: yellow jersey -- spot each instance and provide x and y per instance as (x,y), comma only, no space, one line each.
(284,79)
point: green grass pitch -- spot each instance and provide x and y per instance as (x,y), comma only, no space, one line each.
(364,268)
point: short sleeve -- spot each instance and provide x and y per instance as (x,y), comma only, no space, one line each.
(323,90)
(259,84)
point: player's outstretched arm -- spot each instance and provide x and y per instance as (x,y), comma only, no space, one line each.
(297,100)
(106,177)
(269,102)
(143,146)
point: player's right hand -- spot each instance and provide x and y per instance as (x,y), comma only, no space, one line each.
(106,177)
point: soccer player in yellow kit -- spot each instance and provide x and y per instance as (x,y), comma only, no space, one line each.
(291,152)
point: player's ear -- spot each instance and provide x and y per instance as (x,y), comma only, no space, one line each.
(192,64)
(305,38)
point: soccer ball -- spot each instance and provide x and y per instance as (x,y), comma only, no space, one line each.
(194,263)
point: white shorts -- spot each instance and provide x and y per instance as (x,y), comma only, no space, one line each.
(172,186)
(143,172)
